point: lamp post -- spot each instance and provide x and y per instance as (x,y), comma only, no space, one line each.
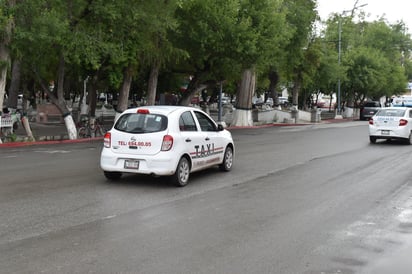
(219,119)
(340,48)
(83,108)
(339,53)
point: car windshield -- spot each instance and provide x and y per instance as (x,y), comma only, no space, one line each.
(371,104)
(141,123)
(391,112)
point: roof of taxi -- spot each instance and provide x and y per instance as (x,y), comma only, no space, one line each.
(160,109)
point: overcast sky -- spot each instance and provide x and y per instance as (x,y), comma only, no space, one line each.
(392,10)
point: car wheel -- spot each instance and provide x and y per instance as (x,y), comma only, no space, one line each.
(181,176)
(372,139)
(227,163)
(112,175)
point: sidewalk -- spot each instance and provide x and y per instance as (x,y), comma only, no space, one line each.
(43,133)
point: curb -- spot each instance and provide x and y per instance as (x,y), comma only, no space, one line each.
(63,139)
(49,140)
(271,125)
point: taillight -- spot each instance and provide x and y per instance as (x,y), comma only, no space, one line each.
(370,121)
(107,139)
(403,122)
(143,111)
(167,142)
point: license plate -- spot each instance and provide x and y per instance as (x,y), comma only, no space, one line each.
(385,132)
(131,164)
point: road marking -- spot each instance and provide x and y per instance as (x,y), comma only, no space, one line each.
(53,151)
(109,217)
(7,157)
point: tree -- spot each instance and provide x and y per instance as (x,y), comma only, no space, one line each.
(368,51)
(207,32)
(300,18)
(6,30)
(259,30)
(44,38)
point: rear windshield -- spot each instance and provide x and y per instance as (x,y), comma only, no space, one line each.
(391,112)
(372,104)
(141,123)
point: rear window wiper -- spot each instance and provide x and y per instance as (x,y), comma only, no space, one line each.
(136,130)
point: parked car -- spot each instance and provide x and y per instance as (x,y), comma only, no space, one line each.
(225,100)
(391,123)
(283,101)
(369,109)
(163,141)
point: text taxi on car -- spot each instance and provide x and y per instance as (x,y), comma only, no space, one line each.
(165,140)
(391,123)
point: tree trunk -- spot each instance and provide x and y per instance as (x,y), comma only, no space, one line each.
(4,53)
(124,91)
(295,90)
(61,102)
(4,60)
(24,120)
(242,116)
(190,91)
(93,96)
(152,85)
(195,85)
(4,57)
(15,84)
(26,125)
(274,79)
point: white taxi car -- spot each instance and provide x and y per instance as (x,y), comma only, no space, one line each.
(165,140)
(391,123)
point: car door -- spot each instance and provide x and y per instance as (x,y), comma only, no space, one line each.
(214,144)
(193,138)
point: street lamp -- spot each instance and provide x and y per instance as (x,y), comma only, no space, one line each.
(340,46)
(83,108)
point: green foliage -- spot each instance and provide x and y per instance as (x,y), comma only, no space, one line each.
(375,57)
(215,40)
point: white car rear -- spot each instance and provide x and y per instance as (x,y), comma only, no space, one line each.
(391,123)
(165,140)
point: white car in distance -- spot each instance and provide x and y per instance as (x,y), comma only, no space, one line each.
(165,141)
(391,123)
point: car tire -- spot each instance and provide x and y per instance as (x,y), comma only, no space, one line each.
(181,176)
(372,139)
(227,163)
(112,175)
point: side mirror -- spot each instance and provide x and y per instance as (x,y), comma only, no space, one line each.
(220,127)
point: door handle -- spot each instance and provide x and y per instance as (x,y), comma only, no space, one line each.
(207,138)
(188,140)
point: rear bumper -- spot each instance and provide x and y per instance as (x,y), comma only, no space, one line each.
(161,164)
(399,133)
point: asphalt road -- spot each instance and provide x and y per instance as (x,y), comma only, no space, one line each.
(308,199)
